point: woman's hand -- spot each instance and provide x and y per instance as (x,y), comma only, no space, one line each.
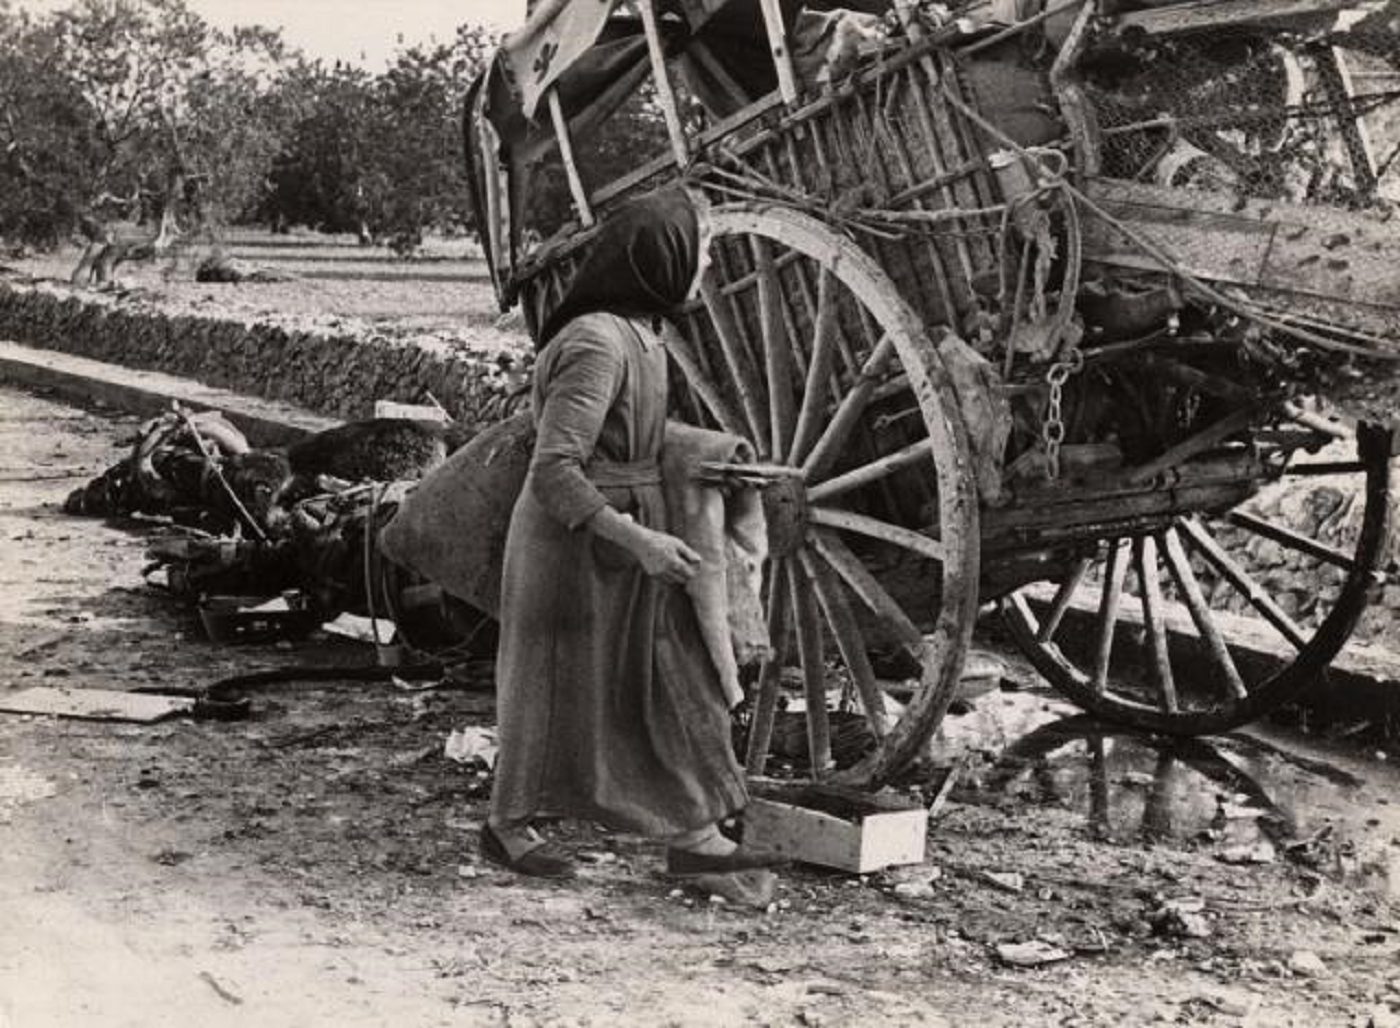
(666,557)
(660,554)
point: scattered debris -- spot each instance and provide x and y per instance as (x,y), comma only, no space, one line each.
(1306,963)
(1035,953)
(1181,919)
(1229,1003)
(596,857)
(361,629)
(945,788)
(427,685)
(95,704)
(219,990)
(1261,852)
(1006,881)
(1241,812)
(914,890)
(471,745)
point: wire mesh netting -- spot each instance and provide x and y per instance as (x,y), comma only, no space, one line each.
(1304,113)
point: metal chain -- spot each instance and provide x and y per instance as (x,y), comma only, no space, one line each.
(1052,432)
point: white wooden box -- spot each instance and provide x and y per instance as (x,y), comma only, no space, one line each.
(838,828)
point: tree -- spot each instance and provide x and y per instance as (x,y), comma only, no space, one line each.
(380,155)
(133,109)
(317,178)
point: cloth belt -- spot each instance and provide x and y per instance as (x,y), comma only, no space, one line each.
(606,474)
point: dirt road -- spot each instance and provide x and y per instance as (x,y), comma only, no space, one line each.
(316,865)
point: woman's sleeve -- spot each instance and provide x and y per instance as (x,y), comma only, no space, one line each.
(581,387)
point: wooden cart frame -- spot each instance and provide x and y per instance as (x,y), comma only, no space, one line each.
(864,233)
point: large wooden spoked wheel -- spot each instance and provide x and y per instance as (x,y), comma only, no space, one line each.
(802,345)
(1199,626)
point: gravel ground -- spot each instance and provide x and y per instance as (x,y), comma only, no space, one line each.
(317,863)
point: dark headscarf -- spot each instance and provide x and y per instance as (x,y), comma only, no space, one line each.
(641,263)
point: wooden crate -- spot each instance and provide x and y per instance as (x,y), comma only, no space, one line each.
(837,828)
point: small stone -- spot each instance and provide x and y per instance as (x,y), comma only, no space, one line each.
(1259,853)
(1030,954)
(913,890)
(1306,963)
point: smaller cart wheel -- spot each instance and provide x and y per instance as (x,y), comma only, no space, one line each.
(803,345)
(1151,650)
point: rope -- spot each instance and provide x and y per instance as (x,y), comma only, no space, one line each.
(212,466)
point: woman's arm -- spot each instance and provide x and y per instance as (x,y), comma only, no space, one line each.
(582,385)
(583,379)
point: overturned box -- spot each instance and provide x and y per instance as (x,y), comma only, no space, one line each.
(836,827)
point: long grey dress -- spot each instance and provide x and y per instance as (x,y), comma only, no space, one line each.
(609,706)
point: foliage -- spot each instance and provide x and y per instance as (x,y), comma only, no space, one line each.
(380,154)
(139,110)
(130,108)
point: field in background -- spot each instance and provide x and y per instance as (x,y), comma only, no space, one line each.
(444,291)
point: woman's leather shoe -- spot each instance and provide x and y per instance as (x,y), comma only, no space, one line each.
(547,860)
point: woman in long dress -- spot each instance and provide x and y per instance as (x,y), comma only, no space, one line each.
(609,706)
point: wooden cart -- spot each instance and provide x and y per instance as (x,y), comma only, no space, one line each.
(1022,312)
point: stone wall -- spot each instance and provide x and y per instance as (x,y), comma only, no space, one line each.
(338,369)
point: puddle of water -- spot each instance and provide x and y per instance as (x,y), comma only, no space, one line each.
(19,786)
(1250,797)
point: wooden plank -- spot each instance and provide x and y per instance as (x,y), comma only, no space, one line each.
(1218,14)
(95,704)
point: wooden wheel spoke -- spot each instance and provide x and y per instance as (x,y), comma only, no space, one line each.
(849,640)
(736,360)
(1153,616)
(819,369)
(765,706)
(1185,578)
(874,528)
(864,584)
(777,355)
(1293,540)
(1063,596)
(1230,570)
(1109,600)
(725,416)
(867,474)
(838,430)
(812,652)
